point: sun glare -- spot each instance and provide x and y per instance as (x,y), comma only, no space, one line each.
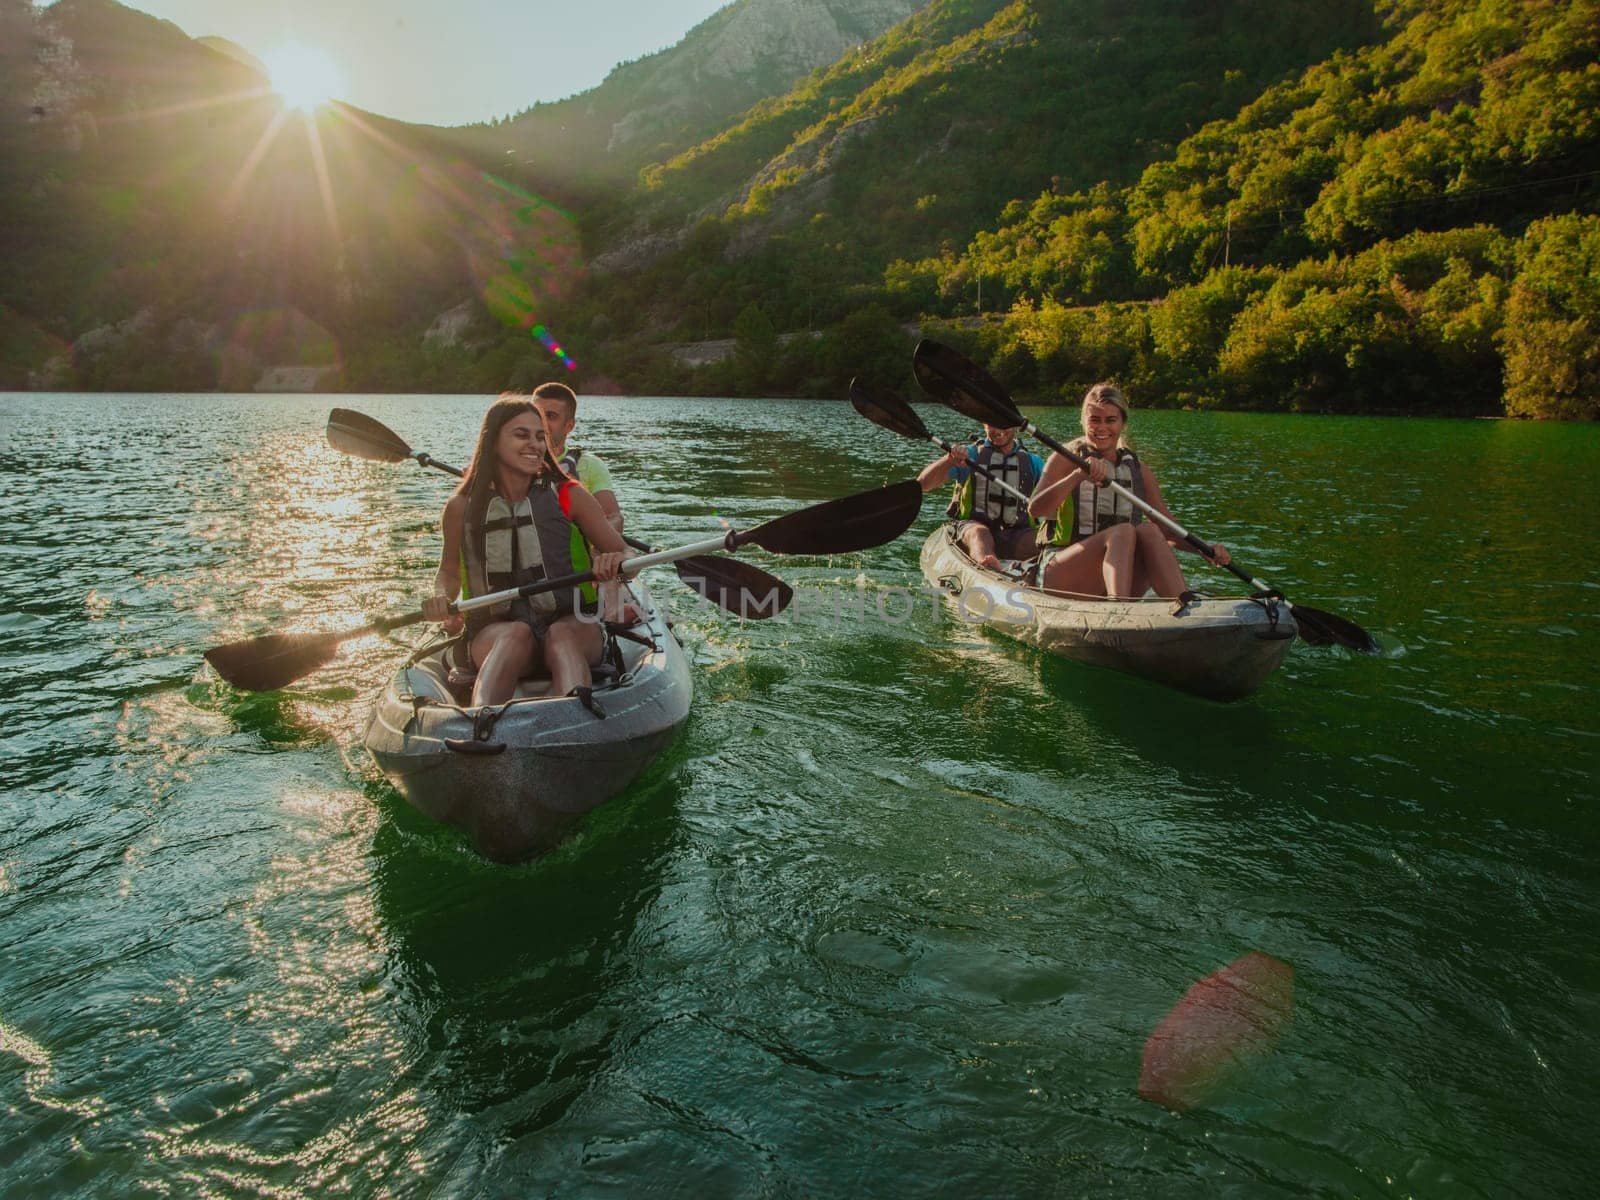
(303,75)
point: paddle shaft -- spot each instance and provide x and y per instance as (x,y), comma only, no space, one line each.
(490,599)
(984,471)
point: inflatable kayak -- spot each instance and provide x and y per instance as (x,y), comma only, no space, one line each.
(516,776)
(1221,648)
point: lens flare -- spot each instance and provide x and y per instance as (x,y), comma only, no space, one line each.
(550,344)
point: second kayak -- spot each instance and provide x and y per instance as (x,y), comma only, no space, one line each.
(1220,648)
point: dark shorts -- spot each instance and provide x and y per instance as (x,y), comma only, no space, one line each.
(1008,543)
(520,611)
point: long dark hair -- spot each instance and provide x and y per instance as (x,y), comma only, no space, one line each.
(479,481)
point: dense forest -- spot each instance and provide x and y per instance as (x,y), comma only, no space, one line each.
(1312,205)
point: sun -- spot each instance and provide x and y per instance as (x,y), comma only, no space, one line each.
(303,75)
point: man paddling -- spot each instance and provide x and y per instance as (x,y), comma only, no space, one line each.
(990,523)
(558,408)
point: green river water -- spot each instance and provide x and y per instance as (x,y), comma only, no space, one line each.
(897,912)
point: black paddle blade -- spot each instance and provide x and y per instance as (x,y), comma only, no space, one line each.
(359,436)
(887,409)
(841,526)
(738,587)
(957,382)
(1326,629)
(265,664)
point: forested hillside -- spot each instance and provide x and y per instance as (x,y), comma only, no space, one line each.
(1408,227)
(589,146)
(806,213)
(1402,221)
(1319,205)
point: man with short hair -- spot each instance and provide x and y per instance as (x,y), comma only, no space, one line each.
(991,523)
(558,409)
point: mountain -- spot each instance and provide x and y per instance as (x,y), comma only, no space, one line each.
(1330,207)
(653,107)
(912,145)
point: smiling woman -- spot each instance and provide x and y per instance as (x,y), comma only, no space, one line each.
(303,75)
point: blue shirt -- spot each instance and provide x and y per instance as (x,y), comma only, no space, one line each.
(958,474)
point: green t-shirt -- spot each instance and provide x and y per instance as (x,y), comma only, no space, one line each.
(593,473)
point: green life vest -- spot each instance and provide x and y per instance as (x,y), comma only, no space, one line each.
(976,498)
(509,545)
(1096,508)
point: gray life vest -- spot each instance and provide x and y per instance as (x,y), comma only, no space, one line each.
(1096,508)
(510,545)
(976,498)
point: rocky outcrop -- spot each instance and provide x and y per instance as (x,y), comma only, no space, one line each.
(104,340)
(748,50)
(635,254)
(452,327)
(650,109)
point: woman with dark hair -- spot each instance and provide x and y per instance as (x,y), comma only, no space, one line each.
(1102,545)
(517,518)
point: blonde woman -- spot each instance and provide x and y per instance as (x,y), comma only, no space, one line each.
(1102,545)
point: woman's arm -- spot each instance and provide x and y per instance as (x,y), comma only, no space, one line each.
(591,521)
(447,580)
(1056,483)
(608,546)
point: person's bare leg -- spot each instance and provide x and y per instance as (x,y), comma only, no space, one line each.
(1117,568)
(1079,568)
(979,543)
(504,652)
(570,646)
(1159,562)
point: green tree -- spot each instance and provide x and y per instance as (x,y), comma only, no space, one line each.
(1551,337)
(754,352)
(870,344)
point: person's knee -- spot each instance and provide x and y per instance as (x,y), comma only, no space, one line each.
(514,638)
(1120,535)
(569,635)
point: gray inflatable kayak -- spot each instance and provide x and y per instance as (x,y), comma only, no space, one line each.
(516,777)
(1221,648)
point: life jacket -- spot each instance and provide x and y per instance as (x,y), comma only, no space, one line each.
(1096,508)
(511,545)
(569,460)
(976,498)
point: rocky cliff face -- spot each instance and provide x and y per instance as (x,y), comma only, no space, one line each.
(751,50)
(648,110)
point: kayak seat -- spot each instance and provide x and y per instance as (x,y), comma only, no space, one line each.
(426,685)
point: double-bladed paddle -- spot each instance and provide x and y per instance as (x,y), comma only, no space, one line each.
(841,526)
(736,586)
(887,409)
(959,383)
